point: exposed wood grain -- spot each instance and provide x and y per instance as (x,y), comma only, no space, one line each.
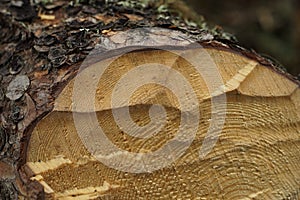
(257,155)
(42,155)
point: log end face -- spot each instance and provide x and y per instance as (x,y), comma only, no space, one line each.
(252,157)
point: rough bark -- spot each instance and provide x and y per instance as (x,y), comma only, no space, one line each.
(256,156)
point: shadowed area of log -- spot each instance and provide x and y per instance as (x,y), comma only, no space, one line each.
(257,155)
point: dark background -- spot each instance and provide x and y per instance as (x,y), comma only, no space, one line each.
(270,27)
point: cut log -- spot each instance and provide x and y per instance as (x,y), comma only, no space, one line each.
(155,112)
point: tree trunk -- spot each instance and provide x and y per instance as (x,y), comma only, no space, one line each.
(132,100)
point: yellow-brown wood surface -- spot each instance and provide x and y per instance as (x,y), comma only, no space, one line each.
(257,154)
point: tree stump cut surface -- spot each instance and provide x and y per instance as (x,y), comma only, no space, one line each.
(256,156)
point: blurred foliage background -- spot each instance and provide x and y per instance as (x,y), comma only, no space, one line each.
(271,27)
